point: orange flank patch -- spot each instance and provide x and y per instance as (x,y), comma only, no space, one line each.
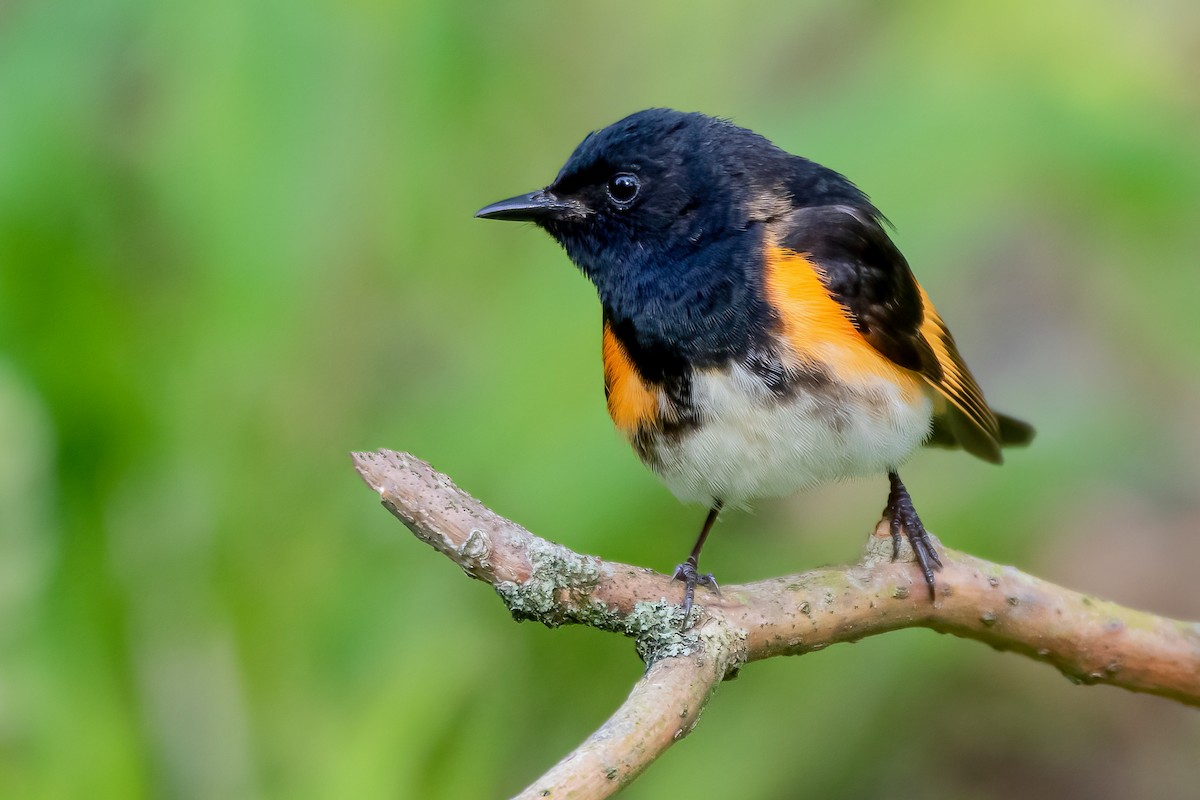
(632,403)
(819,328)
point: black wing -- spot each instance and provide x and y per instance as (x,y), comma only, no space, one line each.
(866,273)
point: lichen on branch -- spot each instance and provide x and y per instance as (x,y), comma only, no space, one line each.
(1089,640)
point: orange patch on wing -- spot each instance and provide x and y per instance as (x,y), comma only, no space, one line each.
(632,404)
(956,383)
(820,329)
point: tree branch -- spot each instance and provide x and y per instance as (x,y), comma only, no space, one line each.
(1089,640)
(663,707)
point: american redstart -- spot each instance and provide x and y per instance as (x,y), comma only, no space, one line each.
(762,333)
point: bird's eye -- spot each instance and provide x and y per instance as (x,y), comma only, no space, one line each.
(623,188)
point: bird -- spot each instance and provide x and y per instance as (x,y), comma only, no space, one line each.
(761,332)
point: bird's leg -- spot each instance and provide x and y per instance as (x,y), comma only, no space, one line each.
(903,517)
(687,571)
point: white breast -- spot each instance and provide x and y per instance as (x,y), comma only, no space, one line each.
(753,443)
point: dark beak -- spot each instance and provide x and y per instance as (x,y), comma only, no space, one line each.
(533,207)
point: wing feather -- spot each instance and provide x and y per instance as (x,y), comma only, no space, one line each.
(865,272)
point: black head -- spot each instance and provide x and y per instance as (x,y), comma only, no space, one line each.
(663,183)
(660,204)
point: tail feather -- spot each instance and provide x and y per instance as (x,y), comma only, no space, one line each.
(1014,432)
(952,430)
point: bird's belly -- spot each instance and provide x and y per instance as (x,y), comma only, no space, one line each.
(751,442)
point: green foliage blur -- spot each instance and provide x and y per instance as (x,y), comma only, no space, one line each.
(236,243)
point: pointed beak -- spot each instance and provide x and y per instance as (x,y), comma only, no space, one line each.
(533,207)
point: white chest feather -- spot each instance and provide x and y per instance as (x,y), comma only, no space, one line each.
(754,443)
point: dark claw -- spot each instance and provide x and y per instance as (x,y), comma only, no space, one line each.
(890,513)
(903,517)
(687,573)
(923,552)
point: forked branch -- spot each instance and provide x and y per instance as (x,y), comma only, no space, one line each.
(1089,640)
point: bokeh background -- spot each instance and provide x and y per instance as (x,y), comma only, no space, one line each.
(236,242)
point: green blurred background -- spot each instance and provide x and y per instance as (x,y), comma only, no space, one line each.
(236,243)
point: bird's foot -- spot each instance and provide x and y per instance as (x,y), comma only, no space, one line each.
(687,573)
(903,518)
